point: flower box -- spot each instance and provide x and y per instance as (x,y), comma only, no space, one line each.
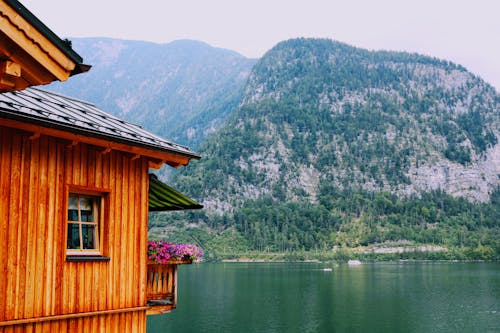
(163,252)
(171,262)
(161,284)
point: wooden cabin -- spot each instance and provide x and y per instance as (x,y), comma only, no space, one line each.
(74,194)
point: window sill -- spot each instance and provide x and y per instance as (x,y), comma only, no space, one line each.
(78,258)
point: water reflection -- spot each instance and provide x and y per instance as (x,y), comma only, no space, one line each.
(301,297)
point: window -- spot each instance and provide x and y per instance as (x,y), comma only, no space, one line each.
(84,219)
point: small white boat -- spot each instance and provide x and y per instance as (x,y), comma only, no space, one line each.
(327,269)
(354,262)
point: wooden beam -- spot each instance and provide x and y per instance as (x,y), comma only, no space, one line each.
(7,83)
(10,68)
(156,310)
(33,39)
(9,73)
(28,38)
(104,150)
(173,164)
(171,158)
(71,316)
(72,144)
(34,136)
(32,73)
(155,164)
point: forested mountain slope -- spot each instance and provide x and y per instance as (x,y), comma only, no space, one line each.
(318,145)
(334,145)
(182,90)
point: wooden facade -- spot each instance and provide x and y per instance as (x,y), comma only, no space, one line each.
(54,151)
(38,281)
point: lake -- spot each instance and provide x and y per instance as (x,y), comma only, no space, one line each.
(303,297)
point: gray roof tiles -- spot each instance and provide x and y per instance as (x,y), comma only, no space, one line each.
(46,108)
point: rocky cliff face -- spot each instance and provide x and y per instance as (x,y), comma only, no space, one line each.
(318,112)
(474,181)
(312,112)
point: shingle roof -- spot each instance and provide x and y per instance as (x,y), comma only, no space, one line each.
(48,109)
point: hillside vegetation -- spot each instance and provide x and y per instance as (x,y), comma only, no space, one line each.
(318,149)
(182,90)
(335,147)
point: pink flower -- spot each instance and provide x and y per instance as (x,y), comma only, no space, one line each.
(162,251)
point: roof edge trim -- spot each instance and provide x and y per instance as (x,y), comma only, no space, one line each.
(63,45)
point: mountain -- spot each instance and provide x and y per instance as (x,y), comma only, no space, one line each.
(182,90)
(317,111)
(334,145)
(316,146)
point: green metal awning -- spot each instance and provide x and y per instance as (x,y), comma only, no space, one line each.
(162,197)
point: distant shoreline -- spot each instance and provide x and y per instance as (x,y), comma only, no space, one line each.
(364,254)
(247,260)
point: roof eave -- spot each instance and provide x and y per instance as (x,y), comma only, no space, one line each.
(63,45)
(78,131)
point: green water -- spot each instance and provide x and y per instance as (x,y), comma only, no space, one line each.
(302,297)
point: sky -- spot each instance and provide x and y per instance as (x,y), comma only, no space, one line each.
(466,32)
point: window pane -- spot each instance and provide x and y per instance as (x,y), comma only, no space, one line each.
(83,217)
(86,209)
(87,216)
(73,236)
(73,201)
(88,234)
(73,207)
(72,215)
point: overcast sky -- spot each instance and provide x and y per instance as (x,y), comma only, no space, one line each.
(463,31)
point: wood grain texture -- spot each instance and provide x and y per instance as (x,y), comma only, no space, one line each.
(38,282)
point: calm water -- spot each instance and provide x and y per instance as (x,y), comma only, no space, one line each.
(301,297)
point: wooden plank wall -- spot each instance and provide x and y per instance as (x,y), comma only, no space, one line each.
(36,280)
